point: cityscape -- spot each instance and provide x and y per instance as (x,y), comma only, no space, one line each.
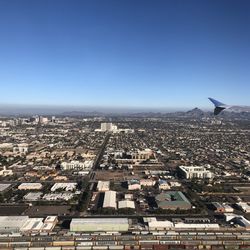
(98,182)
(124,124)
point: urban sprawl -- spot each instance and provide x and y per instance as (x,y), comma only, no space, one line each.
(125,182)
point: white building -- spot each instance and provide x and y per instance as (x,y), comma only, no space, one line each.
(200,226)
(30,186)
(58,196)
(34,196)
(33,225)
(190,172)
(6,172)
(109,199)
(99,225)
(108,126)
(160,225)
(103,186)
(49,223)
(3,186)
(134,185)
(128,196)
(174,184)
(76,165)
(244,207)
(70,186)
(12,224)
(126,204)
(147,182)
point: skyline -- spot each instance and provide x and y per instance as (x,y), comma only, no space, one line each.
(124,54)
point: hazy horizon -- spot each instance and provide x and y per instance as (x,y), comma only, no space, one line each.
(14,109)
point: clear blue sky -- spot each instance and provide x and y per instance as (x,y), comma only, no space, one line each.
(134,53)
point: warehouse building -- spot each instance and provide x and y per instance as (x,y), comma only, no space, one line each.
(99,225)
(103,186)
(211,226)
(33,196)
(24,224)
(173,200)
(4,187)
(30,186)
(33,225)
(160,225)
(109,199)
(126,204)
(12,224)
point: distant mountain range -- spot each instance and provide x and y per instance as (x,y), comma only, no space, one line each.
(195,113)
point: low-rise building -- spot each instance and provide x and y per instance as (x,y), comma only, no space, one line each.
(12,224)
(103,186)
(6,172)
(58,196)
(4,186)
(173,200)
(244,207)
(77,165)
(126,204)
(99,225)
(22,148)
(33,225)
(160,225)
(69,186)
(222,208)
(30,186)
(211,226)
(190,172)
(147,182)
(34,196)
(128,196)
(163,185)
(49,223)
(109,199)
(134,185)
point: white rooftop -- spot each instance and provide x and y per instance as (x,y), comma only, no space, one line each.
(100,220)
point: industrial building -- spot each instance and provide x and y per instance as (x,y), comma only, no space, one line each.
(244,207)
(103,186)
(173,200)
(109,199)
(190,172)
(30,186)
(160,225)
(33,196)
(71,186)
(4,187)
(222,208)
(12,224)
(99,225)
(33,225)
(126,204)
(24,224)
